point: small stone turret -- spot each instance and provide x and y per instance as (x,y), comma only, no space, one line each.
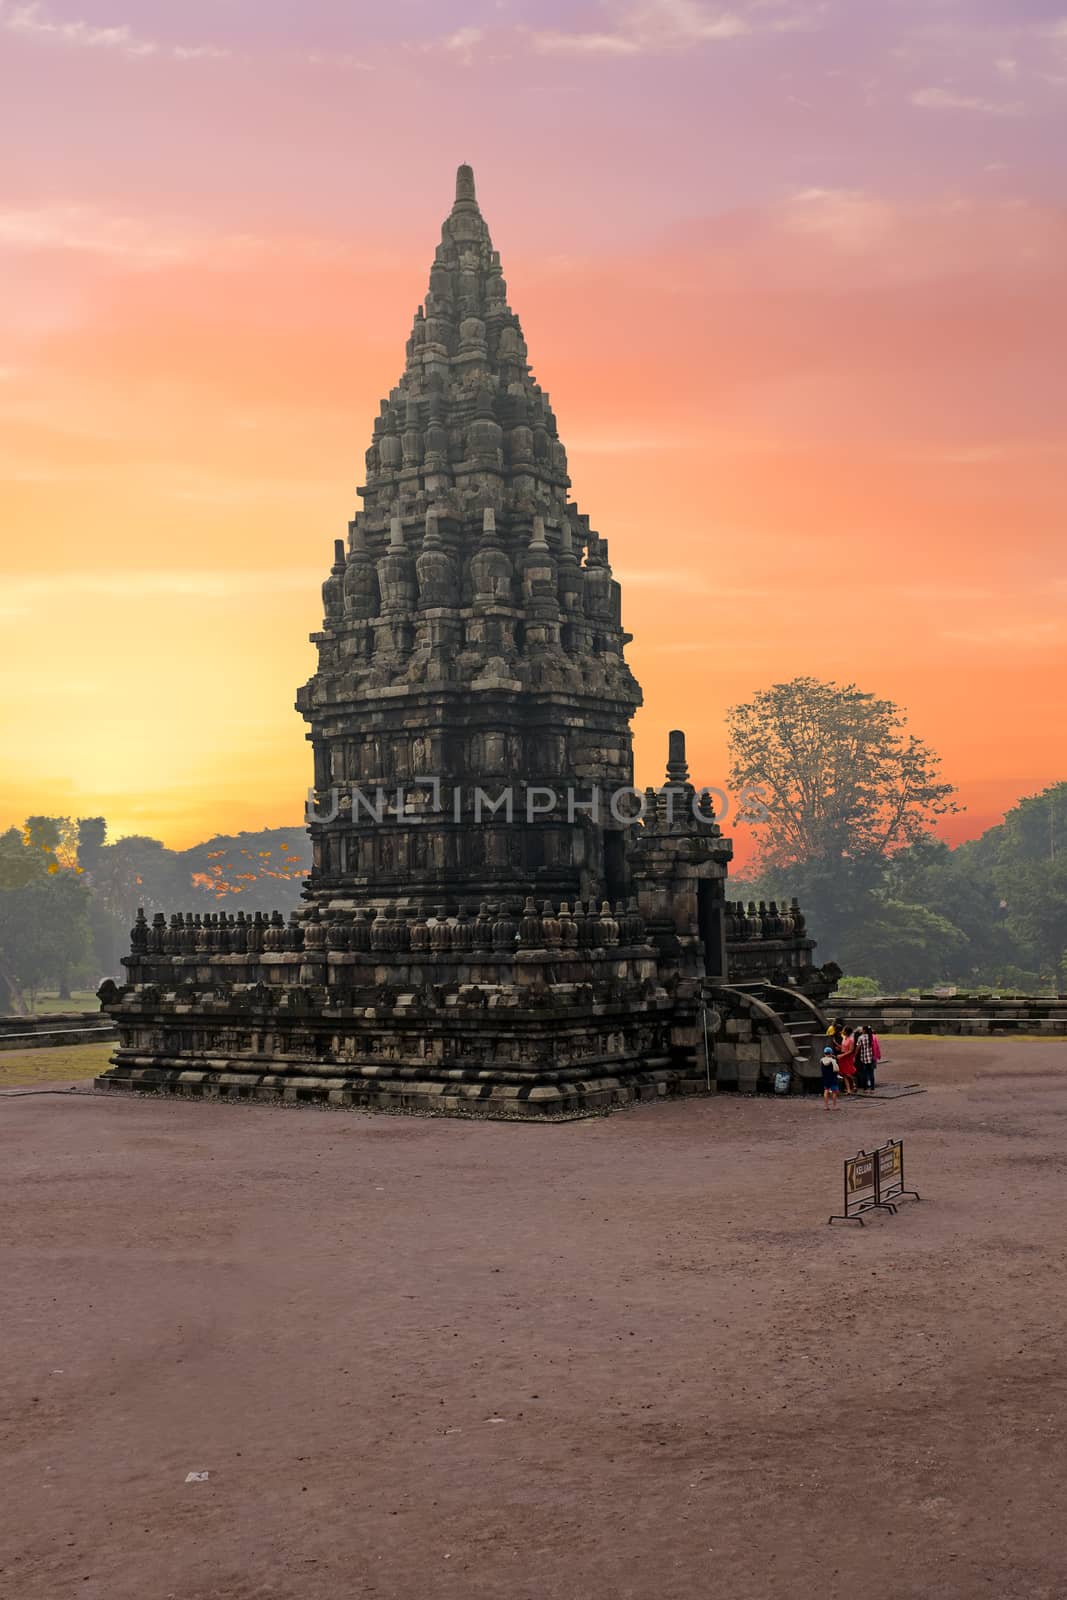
(491,569)
(333,590)
(411,438)
(396,572)
(361,579)
(485,436)
(679,865)
(597,576)
(435,569)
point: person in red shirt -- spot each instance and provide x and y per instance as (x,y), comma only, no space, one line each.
(846,1061)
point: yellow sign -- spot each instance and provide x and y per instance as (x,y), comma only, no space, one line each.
(859,1173)
(888,1164)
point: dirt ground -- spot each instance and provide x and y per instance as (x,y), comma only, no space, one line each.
(624,1357)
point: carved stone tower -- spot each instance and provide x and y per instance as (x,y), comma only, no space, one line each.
(472,642)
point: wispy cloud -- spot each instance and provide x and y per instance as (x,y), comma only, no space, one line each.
(463,43)
(1026,634)
(688,581)
(965,456)
(22,594)
(142,242)
(651,25)
(1007,40)
(656,27)
(33,22)
(86,231)
(938,99)
(552,42)
(851,219)
(691,647)
(196,52)
(665,578)
(627,444)
(340,60)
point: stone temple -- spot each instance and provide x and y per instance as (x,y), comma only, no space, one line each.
(495,920)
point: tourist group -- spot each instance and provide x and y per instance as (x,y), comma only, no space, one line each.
(849,1060)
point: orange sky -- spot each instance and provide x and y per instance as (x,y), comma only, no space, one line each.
(795,287)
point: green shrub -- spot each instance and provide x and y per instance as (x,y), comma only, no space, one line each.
(858,988)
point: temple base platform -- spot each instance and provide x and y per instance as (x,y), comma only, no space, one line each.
(502,1050)
(408,1088)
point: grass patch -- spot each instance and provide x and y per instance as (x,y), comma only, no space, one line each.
(61,1064)
(80,1000)
(886,1039)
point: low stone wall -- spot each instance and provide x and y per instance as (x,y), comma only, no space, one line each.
(956,1014)
(61,1027)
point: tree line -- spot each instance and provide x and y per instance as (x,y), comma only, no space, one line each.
(68,897)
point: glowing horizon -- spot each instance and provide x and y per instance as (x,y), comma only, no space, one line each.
(792,278)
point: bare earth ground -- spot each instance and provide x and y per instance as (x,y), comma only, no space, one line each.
(616,1358)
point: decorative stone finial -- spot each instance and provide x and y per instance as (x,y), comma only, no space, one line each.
(677,766)
(465,195)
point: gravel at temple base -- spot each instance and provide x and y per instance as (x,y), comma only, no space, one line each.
(701,1389)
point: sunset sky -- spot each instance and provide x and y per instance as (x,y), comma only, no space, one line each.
(792,272)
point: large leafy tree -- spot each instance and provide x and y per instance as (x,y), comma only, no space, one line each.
(18,868)
(92,838)
(839,787)
(1021,865)
(139,871)
(44,923)
(843,778)
(948,882)
(1007,890)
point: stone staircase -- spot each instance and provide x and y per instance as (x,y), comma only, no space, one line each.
(799,1018)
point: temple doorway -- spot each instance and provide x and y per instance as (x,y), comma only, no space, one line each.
(710,927)
(614,865)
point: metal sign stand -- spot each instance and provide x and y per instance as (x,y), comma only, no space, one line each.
(872,1182)
(889,1171)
